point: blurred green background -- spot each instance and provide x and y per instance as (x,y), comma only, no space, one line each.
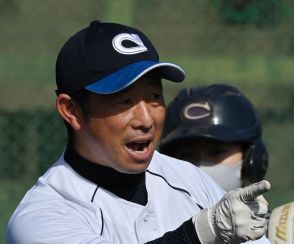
(245,43)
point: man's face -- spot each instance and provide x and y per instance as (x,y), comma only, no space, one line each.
(123,128)
(228,153)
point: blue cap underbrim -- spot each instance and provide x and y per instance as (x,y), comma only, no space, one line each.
(129,74)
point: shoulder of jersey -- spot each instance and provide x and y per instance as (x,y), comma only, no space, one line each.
(177,170)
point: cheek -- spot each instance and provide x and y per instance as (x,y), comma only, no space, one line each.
(233,158)
(237,157)
(160,115)
(103,129)
(159,121)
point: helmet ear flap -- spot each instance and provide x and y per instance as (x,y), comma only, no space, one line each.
(255,162)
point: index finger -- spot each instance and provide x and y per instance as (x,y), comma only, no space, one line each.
(249,193)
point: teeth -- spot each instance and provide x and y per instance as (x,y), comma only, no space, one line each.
(138,147)
(142,149)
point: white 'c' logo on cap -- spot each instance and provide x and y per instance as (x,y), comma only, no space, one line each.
(196,111)
(118,46)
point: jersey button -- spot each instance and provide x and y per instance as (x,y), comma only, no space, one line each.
(146,218)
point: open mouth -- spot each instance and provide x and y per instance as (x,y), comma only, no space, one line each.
(138,147)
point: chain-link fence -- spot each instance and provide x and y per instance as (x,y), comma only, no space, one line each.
(246,43)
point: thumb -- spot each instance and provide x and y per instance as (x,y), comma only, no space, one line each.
(250,192)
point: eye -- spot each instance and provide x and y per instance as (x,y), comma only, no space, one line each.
(124,102)
(127,101)
(156,96)
(216,152)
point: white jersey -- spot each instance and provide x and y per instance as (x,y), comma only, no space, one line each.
(63,207)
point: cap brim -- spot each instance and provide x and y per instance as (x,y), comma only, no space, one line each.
(129,74)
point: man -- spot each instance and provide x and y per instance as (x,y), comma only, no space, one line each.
(110,185)
(217,128)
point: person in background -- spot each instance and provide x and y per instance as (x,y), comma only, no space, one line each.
(217,128)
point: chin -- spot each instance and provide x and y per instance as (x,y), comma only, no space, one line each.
(134,172)
(136,168)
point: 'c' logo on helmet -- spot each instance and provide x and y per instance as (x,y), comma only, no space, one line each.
(117,43)
(195,111)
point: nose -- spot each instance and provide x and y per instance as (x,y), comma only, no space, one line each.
(142,117)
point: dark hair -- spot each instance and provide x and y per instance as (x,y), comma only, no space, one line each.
(81,98)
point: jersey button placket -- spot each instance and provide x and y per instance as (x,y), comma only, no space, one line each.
(146,226)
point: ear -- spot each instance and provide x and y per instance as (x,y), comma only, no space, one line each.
(68,110)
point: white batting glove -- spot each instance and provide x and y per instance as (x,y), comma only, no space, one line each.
(238,217)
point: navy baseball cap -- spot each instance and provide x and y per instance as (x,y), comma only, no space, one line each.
(105,58)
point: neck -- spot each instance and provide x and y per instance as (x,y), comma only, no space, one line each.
(130,187)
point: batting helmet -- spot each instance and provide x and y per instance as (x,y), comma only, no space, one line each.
(217,112)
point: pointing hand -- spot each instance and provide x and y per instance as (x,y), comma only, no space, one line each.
(238,217)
